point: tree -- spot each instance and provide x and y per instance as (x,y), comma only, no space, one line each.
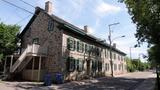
(146,15)
(8,39)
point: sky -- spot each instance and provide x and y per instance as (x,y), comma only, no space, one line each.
(97,14)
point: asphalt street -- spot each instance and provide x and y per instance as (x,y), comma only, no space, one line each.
(130,81)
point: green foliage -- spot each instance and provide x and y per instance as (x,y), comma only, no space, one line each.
(154,55)
(8,40)
(136,64)
(146,15)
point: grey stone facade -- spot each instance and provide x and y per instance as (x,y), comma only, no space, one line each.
(50,34)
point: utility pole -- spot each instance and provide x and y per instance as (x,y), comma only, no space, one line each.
(110,44)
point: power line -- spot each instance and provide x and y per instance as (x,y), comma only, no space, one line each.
(23,19)
(27,3)
(17,6)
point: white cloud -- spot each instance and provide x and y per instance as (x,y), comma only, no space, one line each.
(91,30)
(105,8)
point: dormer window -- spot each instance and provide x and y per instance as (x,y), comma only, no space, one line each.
(50,25)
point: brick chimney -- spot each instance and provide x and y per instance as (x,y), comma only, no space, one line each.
(86,29)
(48,7)
(114,45)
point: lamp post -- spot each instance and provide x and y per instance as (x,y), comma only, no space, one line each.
(110,43)
(139,59)
(130,52)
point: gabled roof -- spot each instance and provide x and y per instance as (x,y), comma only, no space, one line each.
(70,27)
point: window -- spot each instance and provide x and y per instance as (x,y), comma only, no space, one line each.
(118,57)
(86,48)
(50,25)
(94,65)
(98,52)
(80,65)
(99,66)
(80,46)
(71,44)
(106,53)
(70,64)
(121,58)
(36,41)
(115,67)
(119,66)
(107,66)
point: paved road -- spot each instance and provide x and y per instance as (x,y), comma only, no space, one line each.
(130,81)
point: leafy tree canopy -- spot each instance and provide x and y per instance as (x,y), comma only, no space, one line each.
(7,39)
(146,15)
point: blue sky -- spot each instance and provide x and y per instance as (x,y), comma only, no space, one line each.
(97,14)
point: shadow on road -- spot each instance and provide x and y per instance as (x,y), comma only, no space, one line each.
(104,84)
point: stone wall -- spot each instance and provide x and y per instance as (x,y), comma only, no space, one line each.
(50,40)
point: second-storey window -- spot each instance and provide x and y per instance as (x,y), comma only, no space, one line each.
(86,48)
(36,41)
(71,44)
(50,25)
(80,46)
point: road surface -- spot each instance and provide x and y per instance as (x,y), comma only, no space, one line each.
(131,81)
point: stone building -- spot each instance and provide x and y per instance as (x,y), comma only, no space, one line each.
(51,45)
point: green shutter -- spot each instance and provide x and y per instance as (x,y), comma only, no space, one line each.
(68,43)
(82,47)
(78,46)
(74,44)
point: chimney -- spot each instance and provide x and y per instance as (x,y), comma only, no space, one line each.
(114,45)
(48,7)
(86,29)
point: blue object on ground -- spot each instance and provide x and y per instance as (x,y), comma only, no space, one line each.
(59,78)
(47,80)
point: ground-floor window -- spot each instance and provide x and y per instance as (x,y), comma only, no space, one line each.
(107,66)
(115,67)
(99,66)
(80,65)
(70,64)
(75,64)
(94,65)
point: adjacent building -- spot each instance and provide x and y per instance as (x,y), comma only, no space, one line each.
(50,45)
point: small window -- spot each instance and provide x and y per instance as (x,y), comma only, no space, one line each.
(36,41)
(99,66)
(50,25)
(80,65)
(86,48)
(94,65)
(70,64)
(80,46)
(115,67)
(71,44)
(107,66)
(119,66)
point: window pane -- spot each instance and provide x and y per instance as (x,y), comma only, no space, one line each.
(36,41)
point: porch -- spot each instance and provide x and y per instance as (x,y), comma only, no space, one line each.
(30,64)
